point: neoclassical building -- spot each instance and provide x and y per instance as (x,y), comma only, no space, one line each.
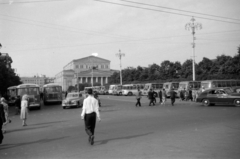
(80,71)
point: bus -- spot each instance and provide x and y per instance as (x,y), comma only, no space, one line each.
(131,89)
(193,85)
(170,85)
(12,93)
(117,90)
(111,88)
(32,91)
(52,92)
(155,86)
(208,84)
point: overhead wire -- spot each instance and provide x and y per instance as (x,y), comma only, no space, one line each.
(16,2)
(179,10)
(180,14)
(56,26)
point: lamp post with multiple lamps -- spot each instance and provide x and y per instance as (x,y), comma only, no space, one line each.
(192,26)
(120,55)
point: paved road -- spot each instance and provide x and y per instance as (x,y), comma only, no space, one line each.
(187,130)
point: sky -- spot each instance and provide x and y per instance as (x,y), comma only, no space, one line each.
(42,36)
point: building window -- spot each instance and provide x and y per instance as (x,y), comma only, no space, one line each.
(102,66)
(106,66)
(76,66)
(81,66)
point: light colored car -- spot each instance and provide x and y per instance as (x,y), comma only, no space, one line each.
(73,99)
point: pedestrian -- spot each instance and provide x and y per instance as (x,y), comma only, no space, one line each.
(150,97)
(186,95)
(24,110)
(154,96)
(190,96)
(138,97)
(6,113)
(2,120)
(95,94)
(164,96)
(181,95)
(172,96)
(194,93)
(41,96)
(66,93)
(160,96)
(18,105)
(89,113)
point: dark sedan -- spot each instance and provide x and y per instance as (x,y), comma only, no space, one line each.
(219,96)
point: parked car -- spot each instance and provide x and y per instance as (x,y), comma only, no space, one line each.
(73,99)
(219,96)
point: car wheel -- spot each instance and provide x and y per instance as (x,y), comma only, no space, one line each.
(129,93)
(206,102)
(237,102)
(64,107)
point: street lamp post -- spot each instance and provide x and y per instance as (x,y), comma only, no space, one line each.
(192,27)
(120,57)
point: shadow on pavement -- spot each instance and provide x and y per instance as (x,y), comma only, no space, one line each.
(26,128)
(49,122)
(8,146)
(101,142)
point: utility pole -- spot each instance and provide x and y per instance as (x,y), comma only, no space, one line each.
(192,27)
(120,55)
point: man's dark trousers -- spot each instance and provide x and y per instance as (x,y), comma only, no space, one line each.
(90,123)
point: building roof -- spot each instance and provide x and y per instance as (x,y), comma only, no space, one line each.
(86,58)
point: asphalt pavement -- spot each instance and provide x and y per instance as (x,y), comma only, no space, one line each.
(187,130)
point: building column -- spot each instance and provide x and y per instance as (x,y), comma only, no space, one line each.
(81,80)
(101,81)
(96,79)
(106,80)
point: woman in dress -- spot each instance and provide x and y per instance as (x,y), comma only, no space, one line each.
(24,110)
(164,95)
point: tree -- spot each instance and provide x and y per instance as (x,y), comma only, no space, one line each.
(7,78)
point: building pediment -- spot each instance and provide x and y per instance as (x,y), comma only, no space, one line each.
(91,59)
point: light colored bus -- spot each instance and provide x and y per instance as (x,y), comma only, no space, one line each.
(32,91)
(12,93)
(208,84)
(117,90)
(131,89)
(170,85)
(52,92)
(193,85)
(111,88)
(155,86)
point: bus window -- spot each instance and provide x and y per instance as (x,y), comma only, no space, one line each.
(224,84)
(219,83)
(205,85)
(234,83)
(175,85)
(166,86)
(238,83)
(214,84)
(228,83)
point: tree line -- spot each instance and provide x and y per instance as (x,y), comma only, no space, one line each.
(8,77)
(223,67)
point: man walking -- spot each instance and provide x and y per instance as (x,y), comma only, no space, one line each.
(138,97)
(150,96)
(90,111)
(172,96)
(160,96)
